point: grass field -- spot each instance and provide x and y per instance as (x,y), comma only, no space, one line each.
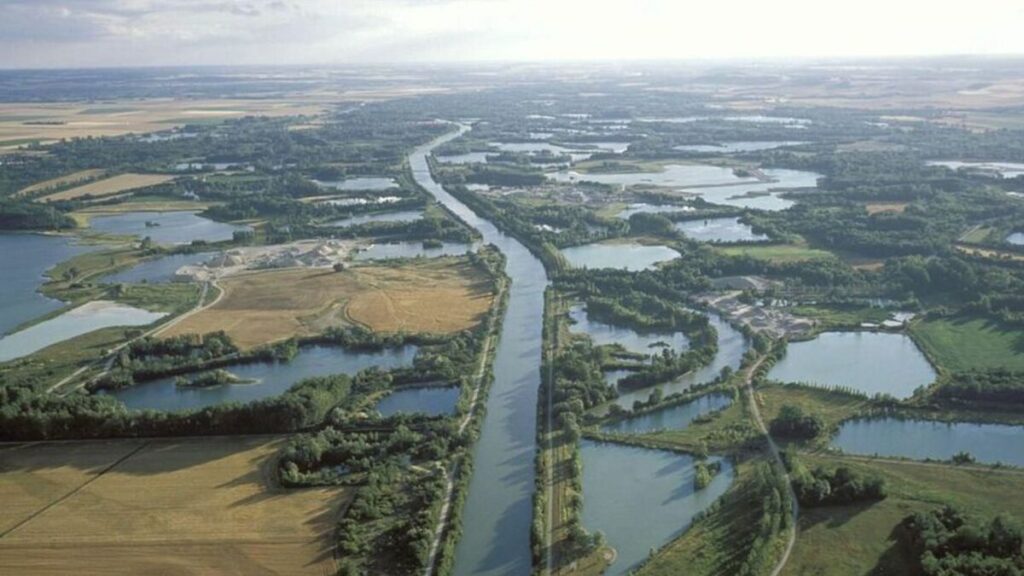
(109,186)
(439,295)
(65,180)
(843,540)
(966,343)
(833,407)
(776,253)
(195,506)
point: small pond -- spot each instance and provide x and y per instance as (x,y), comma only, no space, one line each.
(644,208)
(75,322)
(160,269)
(361,183)
(641,498)
(623,256)
(411,249)
(165,227)
(671,418)
(921,439)
(396,216)
(271,378)
(870,362)
(1017,238)
(431,400)
(719,230)
(633,341)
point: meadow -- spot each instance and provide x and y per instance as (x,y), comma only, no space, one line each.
(970,343)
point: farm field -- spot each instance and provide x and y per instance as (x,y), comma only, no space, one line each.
(883,207)
(62,181)
(109,186)
(969,343)
(858,539)
(24,123)
(438,296)
(181,506)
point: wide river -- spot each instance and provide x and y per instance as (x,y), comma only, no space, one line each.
(498,509)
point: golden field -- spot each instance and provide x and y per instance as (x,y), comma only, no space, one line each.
(65,180)
(166,506)
(109,186)
(437,295)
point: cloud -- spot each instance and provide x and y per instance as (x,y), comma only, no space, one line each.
(56,33)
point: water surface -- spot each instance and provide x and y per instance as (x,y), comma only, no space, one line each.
(671,418)
(165,227)
(921,439)
(644,208)
(623,256)
(869,362)
(734,147)
(602,334)
(271,378)
(24,259)
(641,498)
(75,322)
(361,183)
(396,216)
(1017,238)
(1004,169)
(411,249)
(498,511)
(719,230)
(157,270)
(432,401)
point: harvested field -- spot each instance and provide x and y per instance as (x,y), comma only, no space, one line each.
(892,207)
(65,180)
(987,253)
(441,295)
(166,506)
(110,186)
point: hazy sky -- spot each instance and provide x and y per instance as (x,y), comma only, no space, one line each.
(74,33)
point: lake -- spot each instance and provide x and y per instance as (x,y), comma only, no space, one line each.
(169,227)
(921,439)
(641,498)
(430,400)
(759,195)
(25,258)
(672,175)
(396,216)
(157,270)
(718,230)
(630,256)
(674,417)
(735,147)
(870,362)
(603,334)
(75,322)
(1017,238)
(411,249)
(360,183)
(732,344)
(272,378)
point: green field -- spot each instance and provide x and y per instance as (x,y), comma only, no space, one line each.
(858,539)
(776,253)
(971,343)
(832,406)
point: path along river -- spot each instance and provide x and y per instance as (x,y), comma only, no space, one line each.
(498,509)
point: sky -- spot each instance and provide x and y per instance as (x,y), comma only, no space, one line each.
(92,33)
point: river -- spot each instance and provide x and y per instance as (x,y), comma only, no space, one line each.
(498,510)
